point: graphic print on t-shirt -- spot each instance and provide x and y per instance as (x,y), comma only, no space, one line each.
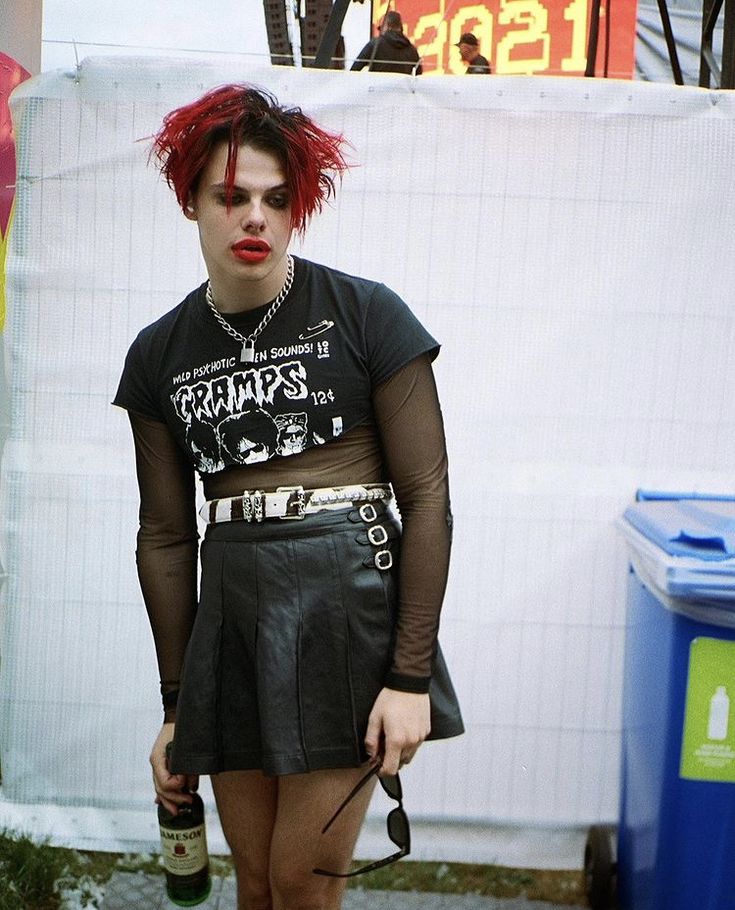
(316,364)
(252,413)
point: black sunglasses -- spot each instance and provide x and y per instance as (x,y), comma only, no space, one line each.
(398,827)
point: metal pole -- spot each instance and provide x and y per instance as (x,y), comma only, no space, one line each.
(592,38)
(670,42)
(728,46)
(323,59)
(710,12)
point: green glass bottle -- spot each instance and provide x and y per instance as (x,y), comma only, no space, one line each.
(185,855)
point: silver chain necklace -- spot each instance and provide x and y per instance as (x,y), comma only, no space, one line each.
(247,355)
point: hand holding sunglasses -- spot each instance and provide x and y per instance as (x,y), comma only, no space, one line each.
(397,821)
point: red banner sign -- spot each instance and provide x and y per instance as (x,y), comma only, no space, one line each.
(519,37)
(11,74)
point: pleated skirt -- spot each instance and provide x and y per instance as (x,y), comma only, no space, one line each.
(290,647)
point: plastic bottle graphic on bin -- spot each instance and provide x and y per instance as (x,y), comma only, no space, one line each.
(719,714)
(674,847)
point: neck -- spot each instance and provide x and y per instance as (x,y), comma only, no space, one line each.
(238,295)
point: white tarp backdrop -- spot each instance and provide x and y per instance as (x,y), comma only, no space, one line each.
(566,239)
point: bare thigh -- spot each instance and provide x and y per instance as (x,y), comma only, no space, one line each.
(273,827)
(246,804)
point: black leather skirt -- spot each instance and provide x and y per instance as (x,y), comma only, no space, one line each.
(291,644)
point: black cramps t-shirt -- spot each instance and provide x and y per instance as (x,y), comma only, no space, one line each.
(334,338)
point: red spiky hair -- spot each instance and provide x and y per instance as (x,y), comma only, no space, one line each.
(241,114)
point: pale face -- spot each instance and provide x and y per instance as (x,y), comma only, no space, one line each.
(244,248)
(467,52)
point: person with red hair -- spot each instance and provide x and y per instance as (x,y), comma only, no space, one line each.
(305,665)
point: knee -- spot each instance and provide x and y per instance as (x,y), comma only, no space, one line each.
(294,890)
(253,886)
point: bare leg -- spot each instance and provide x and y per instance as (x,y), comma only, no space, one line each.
(273,827)
(247,803)
(305,804)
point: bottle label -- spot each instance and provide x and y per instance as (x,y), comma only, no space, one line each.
(184,851)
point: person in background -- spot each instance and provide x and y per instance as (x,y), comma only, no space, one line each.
(305,665)
(469,51)
(391,51)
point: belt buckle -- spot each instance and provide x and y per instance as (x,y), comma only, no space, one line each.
(377,535)
(258,501)
(383,560)
(368,512)
(300,503)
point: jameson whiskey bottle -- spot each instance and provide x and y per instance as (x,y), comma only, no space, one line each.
(184,849)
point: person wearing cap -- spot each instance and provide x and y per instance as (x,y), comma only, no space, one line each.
(469,51)
(391,51)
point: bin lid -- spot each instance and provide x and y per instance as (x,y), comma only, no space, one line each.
(702,529)
(684,549)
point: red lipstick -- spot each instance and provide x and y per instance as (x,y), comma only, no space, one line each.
(251,249)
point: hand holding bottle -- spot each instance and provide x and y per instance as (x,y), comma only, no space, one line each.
(171,789)
(183,830)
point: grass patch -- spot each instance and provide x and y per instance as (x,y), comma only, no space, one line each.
(35,876)
(559,887)
(32,874)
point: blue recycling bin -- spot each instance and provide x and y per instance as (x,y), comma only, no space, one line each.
(676,837)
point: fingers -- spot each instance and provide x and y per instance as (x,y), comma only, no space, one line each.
(170,791)
(391,759)
(170,788)
(192,782)
(168,805)
(397,755)
(400,722)
(396,758)
(373,736)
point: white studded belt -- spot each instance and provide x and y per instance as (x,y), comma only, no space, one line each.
(290,502)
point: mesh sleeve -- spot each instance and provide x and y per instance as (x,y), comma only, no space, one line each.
(411,428)
(167,547)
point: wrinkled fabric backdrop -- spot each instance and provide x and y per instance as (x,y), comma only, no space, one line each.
(567,240)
